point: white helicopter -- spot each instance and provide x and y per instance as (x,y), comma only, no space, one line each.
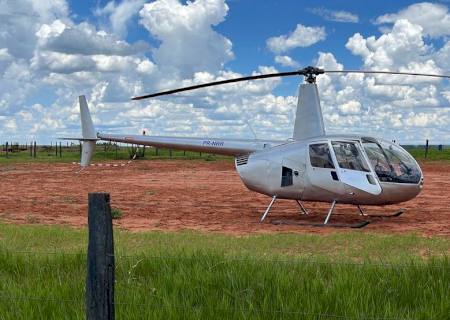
(312,166)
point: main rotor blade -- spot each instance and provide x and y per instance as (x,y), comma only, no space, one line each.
(389,72)
(215,83)
(308,72)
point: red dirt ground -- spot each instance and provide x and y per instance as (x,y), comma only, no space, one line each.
(196,195)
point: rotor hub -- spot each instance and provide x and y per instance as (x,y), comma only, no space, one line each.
(310,73)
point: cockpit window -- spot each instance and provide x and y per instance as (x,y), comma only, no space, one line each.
(319,155)
(391,163)
(349,156)
(377,158)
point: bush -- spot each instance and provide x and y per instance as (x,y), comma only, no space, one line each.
(116,213)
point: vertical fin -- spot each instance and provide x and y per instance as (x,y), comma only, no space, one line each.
(87,126)
(308,118)
(88,133)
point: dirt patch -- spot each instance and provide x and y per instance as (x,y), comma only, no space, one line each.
(196,195)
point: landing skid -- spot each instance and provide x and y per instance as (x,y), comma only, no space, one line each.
(381,215)
(356,225)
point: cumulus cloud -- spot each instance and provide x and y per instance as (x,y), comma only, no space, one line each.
(120,14)
(434,18)
(335,15)
(43,74)
(110,70)
(286,61)
(188,42)
(408,109)
(302,36)
(83,39)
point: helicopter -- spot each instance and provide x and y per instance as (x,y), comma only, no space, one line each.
(311,166)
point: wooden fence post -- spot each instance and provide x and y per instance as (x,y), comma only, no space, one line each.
(170,153)
(100,264)
(426,149)
(7,149)
(34,152)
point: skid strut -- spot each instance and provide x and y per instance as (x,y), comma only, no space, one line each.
(360,224)
(361,212)
(268,209)
(330,212)
(302,207)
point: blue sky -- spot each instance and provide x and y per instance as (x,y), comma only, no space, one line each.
(52,51)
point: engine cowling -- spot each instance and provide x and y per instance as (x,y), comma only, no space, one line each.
(255,173)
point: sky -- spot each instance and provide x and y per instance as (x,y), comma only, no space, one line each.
(52,51)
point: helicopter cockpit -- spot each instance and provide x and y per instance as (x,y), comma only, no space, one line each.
(390,162)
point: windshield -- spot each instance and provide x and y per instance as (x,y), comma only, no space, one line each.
(391,163)
(349,156)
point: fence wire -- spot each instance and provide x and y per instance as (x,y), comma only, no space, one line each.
(256,260)
(294,260)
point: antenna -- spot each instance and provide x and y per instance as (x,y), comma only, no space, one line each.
(251,129)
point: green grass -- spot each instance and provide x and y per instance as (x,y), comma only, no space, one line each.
(116,213)
(434,154)
(103,152)
(106,152)
(209,276)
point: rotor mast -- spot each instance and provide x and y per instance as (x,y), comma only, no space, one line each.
(308,117)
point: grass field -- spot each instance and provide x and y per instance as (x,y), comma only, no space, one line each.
(103,152)
(108,152)
(347,275)
(434,154)
(212,276)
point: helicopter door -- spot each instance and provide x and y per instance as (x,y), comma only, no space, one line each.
(321,169)
(354,170)
(292,175)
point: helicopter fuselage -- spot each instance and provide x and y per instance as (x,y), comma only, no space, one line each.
(347,169)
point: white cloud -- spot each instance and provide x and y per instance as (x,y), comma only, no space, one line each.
(120,15)
(4,54)
(50,63)
(82,39)
(286,61)
(188,42)
(401,107)
(302,36)
(327,61)
(434,18)
(402,49)
(21,19)
(335,15)
(350,107)
(10,125)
